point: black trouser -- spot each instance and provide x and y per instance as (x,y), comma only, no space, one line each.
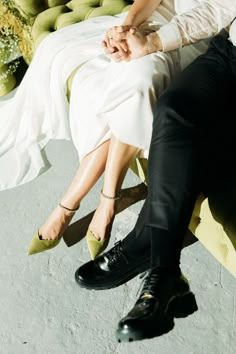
(193,130)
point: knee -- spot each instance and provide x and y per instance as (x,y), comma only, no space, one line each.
(171,111)
(140,73)
(142,83)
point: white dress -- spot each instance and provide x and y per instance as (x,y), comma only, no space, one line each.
(106,97)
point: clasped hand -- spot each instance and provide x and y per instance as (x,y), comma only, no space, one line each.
(125,43)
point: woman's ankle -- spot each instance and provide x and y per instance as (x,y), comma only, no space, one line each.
(58,220)
(110,194)
(70,207)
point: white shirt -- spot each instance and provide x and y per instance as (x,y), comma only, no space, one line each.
(196,20)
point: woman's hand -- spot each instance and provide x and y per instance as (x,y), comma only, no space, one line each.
(115,35)
(114,43)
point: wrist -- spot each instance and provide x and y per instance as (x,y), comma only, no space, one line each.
(153,43)
(128,23)
(130,20)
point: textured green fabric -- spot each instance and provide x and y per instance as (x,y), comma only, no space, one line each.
(31,8)
(72,12)
(26,8)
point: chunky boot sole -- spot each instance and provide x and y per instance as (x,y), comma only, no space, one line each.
(180,306)
(183,306)
(131,334)
(115,283)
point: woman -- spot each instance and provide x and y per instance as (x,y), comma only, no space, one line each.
(109,117)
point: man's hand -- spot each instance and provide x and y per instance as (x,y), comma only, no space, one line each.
(132,44)
(137,43)
(141,43)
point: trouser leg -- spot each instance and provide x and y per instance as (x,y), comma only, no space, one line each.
(181,143)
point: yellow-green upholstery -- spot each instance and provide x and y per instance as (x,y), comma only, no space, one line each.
(213,219)
(43,17)
(72,12)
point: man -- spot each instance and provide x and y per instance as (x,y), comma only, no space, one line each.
(182,143)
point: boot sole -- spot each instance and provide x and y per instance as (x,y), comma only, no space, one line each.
(183,305)
(125,335)
(179,306)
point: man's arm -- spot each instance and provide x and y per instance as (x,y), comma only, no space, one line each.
(203,21)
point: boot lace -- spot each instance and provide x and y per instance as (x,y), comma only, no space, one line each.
(116,254)
(150,283)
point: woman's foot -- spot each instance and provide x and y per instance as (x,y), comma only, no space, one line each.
(56,224)
(129,196)
(103,217)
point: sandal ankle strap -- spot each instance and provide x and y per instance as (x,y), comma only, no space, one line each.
(108,197)
(68,209)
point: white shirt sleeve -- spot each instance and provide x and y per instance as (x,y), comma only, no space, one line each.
(204,21)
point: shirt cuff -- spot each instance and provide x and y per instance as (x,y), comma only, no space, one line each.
(170,37)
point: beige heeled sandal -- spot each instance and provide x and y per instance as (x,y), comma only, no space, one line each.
(38,244)
(95,246)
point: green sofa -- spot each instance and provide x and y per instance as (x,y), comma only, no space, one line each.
(213,220)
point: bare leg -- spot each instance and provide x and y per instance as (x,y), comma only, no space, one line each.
(119,158)
(91,168)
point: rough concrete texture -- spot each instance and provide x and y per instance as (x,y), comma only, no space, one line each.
(42,309)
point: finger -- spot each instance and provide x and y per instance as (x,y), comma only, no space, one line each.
(109,51)
(109,37)
(104,44)
(118,56)
(133,30)
(128,58)
(120,29)
(116,34)
(118,37)
(123,44)
(115,58)
(109,33)
(122,52)
(108,42)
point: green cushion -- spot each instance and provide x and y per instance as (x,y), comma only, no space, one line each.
(72,12)
(31,8)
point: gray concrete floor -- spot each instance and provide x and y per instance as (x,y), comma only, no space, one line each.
(43,311)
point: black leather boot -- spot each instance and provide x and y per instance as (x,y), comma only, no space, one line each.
(165,295)
(112,269)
